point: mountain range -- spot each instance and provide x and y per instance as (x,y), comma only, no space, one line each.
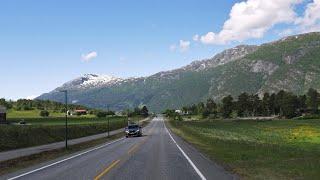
(291,64)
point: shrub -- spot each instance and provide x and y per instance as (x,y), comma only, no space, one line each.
(44,113)
(205,113)
(112,113)
(101,114)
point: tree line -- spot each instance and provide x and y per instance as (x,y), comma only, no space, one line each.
(45,106)
(27,104)
(283,104)
(137,111)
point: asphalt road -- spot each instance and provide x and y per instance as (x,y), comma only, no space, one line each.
(159,154)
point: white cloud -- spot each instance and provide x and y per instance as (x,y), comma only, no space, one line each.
(184,45)
(285,32)
(122,58)
(311,18)
(173,47)
(31,97)
(195,37)
(252,19)
(89,56)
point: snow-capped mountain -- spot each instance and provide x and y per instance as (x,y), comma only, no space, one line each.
(88,81)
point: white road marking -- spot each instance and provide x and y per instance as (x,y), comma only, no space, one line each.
(63,160)
(185,155)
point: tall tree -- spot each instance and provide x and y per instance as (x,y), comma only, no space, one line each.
(211,105)
(266,104)
(144,111)
(255,105)
(227,106)
(279,102)
(313,100)
(289,105)
(243,105)
(6,104)
(193,109)
(185,109)
(272,104)
(200,107)
(302,103)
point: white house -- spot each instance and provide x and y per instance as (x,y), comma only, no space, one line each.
(178,111)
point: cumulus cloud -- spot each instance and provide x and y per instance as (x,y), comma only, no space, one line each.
(89,56)
(195,37)
(173,47)
(184,45)
(311,18)
(252,19)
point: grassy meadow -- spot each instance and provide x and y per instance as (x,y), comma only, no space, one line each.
(30,114)
(43,130)
(278,149)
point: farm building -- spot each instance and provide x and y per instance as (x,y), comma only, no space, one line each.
(79,112)
(3,115)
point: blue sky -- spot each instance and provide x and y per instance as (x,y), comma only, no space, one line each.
(44,43)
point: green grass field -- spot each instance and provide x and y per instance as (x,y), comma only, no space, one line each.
(286,149)
(36,114)
(30,114)
(43,130)
(49,130)
(53,121)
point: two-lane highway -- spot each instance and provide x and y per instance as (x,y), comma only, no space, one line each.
(157,155)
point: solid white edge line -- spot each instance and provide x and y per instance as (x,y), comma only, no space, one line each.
(63,160)
(185,155)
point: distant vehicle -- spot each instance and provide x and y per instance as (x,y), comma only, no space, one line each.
(133,130)
(22,122)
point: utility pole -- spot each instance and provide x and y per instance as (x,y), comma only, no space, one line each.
(108,126)
(108,121)
(66,111)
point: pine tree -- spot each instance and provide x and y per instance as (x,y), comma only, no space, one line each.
(227,106)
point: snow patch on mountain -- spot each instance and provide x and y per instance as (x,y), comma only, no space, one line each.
(90,81)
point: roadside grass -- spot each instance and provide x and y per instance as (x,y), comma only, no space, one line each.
(192,117)
(24,162)
(30,114)
(49,130)
(71,120)
(284,149)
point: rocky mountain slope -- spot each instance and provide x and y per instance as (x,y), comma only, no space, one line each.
(292,64)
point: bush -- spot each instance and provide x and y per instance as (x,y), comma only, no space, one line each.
(101,114)
(112,113)
(177,117)
(205,113)
(44,113)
